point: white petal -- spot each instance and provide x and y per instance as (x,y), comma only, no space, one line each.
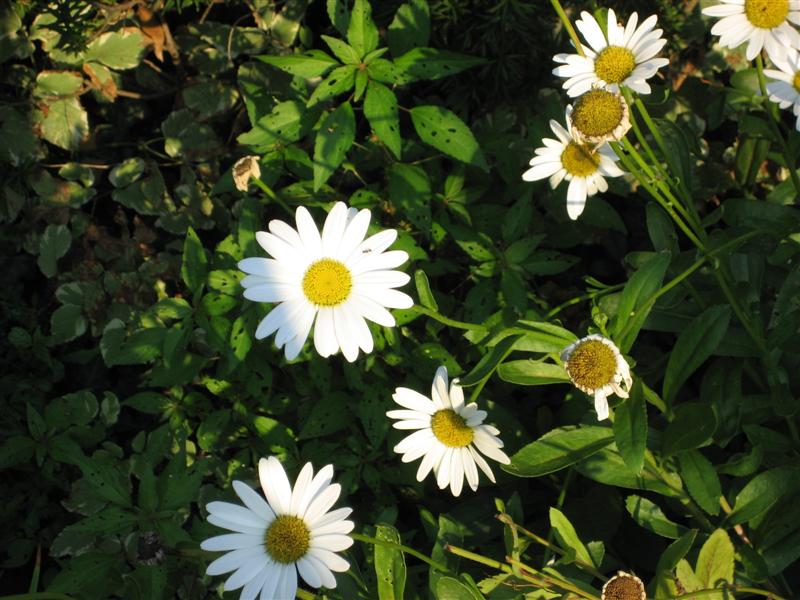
(333,230)
(275,484)
(253,501)
(345,333)
(354,234)
(322,502)
(245,573)
(601,405)
(301,485)
(307,229)
(324,335)
(309,573)
(413,400)
(233,560)
(334,542)
(333,561)
(253,587)
(231,541)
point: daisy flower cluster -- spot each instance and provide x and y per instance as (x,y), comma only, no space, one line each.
(769,26)
(619,57)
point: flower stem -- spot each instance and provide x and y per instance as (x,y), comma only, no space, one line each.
(568,26)
(731,588)
(446,321)
(774,123)
(387,544)
(272,195)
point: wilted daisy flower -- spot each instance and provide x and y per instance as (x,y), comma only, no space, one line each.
(599,116)
(581,164)
(338,278)
(292,531)
(449,434)
(625,57)
(243,170)
(785,90)
(623,586)
(596,367)
(761,23)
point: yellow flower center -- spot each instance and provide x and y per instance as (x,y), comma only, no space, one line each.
(623,587)
(451,429)
(796,81)
(614,64)
(287,539)
(592,365)
(579,160)
(598,113)
(327,282)
(766,13)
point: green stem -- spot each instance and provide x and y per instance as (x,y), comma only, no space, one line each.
(731,588)
(38,596)
(583,298)
(568,26)
(775,125)
(442,319)
(272,195)
(479,387)
(552,581)
(304,595)
(562,497)
(744,319)
(387,544)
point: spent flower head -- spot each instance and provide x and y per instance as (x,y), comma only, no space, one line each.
(623,586)
(599,116)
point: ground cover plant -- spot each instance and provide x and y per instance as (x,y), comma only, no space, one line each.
(406,299)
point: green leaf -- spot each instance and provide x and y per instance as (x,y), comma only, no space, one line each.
(631,312)
(630,428)
(362,79)
(339,14)
(326,417)
(648,515)
(16,450)
(410,28)
(36,425)
(121,49)
(108,480)
(58,83)
(607,466)
(148,582)
(530,372)
(450,588)
(338,82)
(443,130)
(542,337)
(410,190)
(430,63)
(676,551)
(558,449)
(380,109)
(241,339)
(361,31)
(126,172)
(698,341)
(210,98)
(424,292)
(139,347)
(701,480)
(343,51)
(109,521)
(390,565)
(489,362)
(693,425)
(763,491)
(54,244)
(67,323)
(211,429)
(334,138)
(79,408)
(86,576)
(568,538)
(194,266)
(313,63)
(63,123)
(715,561)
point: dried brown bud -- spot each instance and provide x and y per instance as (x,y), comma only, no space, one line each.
(623,586)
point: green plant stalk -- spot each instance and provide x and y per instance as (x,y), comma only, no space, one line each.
(272,195)
(578,299)
(774,124)
(547,579)
(562,496)
(387,544)
(39,596)
(568,26)
(37,570)
(444,320)
(479,387)
(731,588)
(304,595)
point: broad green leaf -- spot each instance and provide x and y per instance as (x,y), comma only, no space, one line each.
(63,123)
(693,425)
(661,229)
(701,480)
(676,551)
(326,417)
(108,480)
(121,49)
(648,515)
(86,576)
(241,339)
(679,156)
(112,520)
(630,428)
(210,431)
(194,267)
(179,483)
(139,347)
(632,312)
(185,137)
(715,561)
(339,14)
(450,588)
(71,409)
(443,130)
(695,344)
(380,109)
(361,30)
(53,244)
(489,362)
(313,63)
(530,372)
(689,581)
(390,565)
(16,450)
(543,337)
(424,292)
(362,79)
(410,28)
(567,536)
(558,449)
(58,83)
(343,51)
(67,323)
(430,63)
(338,82)
(126,172)
(36,424)
(148,582)
(763,491)
(334,138)
(285,25)
(210,98)
(411,191)
(607,466)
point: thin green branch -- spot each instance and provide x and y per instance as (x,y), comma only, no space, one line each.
(568,26)
(731,588)
(272,195)
(446,321)
(387,544)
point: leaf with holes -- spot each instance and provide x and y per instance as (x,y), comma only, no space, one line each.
(314,63)
(380,108)
(361,30)
(334,138)
(447,133)
(390,565)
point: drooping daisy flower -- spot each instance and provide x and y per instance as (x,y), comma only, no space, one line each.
(626,57)
(338,278)
(785,90)
(623,586)
(243,170)
(596,367)
(292,531)
(599,116)
(580,164)
(763,24)
(449,434)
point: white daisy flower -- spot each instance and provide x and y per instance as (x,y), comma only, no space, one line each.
(596,367)
(292,531)
(625,57)
(785,90)
(449,434)
(599,116)
(763,24)
(337,278)
(583,166)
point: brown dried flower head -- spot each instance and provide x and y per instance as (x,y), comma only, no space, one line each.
(623,586)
